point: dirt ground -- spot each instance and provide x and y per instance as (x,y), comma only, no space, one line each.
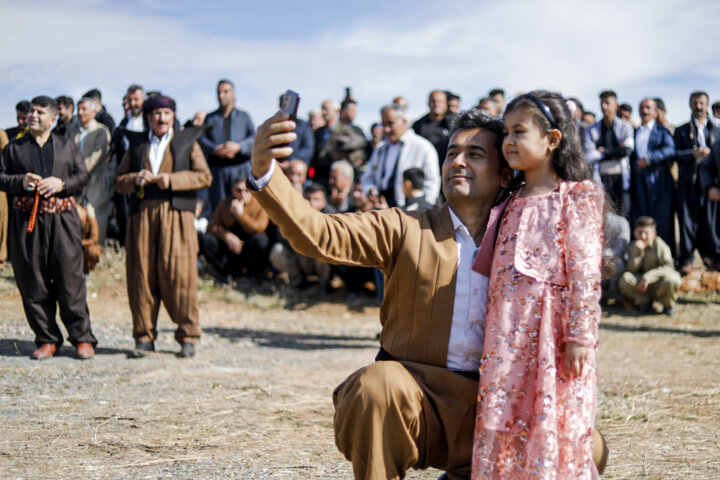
(256,400)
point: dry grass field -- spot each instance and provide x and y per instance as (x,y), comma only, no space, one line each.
(256,400)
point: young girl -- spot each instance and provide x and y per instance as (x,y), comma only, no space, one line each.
(537,399)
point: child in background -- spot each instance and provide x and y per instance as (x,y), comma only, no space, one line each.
(650,274)
(538,383)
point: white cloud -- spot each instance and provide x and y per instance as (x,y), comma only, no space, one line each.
(663,47)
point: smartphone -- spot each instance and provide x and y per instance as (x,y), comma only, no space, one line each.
(289,103)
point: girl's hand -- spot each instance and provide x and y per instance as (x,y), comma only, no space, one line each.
(576,356)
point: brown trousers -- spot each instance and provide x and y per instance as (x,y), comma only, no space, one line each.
(162,249)
(391,416)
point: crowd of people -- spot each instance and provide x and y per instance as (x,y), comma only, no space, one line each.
(656,176)
(215,195)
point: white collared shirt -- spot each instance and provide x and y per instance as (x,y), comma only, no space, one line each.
(700,129)
(642,138)
(467,331)
(157,150)
(390,159)
(135,124)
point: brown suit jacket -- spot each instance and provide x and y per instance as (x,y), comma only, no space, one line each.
(197,177)
(416,251)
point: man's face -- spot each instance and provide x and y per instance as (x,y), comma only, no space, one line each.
(489,106)
(317,200)
(609,106)
(499,101)
(646,234)
(22,119)
(588,118)
(348,113)
(699,106)
(329,113)
(297,172)
(86,112)
(162,120)
(135,102)
(626,115)
(454,106)
(40,119)
(339,181)
(438,103)
(394,126)
(241,192)
(647,110)
(65,112)
(226,95)
(471,170)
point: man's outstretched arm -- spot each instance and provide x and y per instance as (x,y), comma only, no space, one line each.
(369,239)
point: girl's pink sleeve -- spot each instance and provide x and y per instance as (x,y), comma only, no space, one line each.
(583,216)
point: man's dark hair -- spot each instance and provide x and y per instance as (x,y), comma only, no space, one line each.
(65,101)
(608,94)
(45,102)
(645,222)
(344,104)
(242,176)
(699,93)
(625,107)
(715,107)
(94,93)
(134,88)
(225,80)
(496,91)
(476,118)
(314,187)
(451,96)
(590,112)
(23,106)
(415,176)
(660,104)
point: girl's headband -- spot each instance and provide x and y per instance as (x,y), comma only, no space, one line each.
(544,109)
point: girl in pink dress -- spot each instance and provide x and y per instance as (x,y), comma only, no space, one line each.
(538,384)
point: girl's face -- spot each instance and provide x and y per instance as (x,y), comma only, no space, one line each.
(525,145)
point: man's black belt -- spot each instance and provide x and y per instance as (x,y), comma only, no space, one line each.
(384,356)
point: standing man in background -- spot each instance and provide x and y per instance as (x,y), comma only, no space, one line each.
(48,261)
(227,145)
(93,142)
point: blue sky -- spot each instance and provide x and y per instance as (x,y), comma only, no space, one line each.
(658,48)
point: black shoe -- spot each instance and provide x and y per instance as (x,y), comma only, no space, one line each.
(443,477)
(670,312)
(188,350)
(141,348)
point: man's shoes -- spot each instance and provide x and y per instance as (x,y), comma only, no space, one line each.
(44,351)
(188,350)
(670,311)
(141,348)
(443,477)
(85,351)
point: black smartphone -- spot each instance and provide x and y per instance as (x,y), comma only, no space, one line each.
(289,103)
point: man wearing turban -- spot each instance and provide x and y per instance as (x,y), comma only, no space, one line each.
(162,174)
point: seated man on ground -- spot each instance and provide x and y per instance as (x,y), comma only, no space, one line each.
(650,275)
(236,238)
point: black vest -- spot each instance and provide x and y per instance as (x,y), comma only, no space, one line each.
(181,147)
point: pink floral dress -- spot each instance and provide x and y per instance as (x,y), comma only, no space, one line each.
(534,421)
